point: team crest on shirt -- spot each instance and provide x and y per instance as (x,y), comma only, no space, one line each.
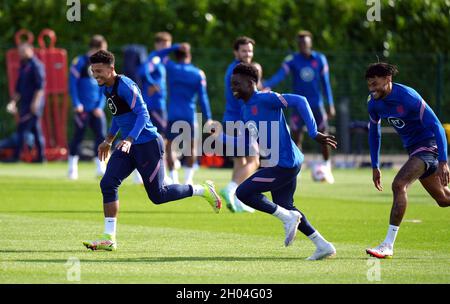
(254,110)
(396,122)
(112,107)
(307,74)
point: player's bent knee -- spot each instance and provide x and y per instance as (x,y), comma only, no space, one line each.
(398,187)
(157,198)
(106,183)
(109,190)
(242,194)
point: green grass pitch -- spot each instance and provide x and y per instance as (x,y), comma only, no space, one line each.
(44,217)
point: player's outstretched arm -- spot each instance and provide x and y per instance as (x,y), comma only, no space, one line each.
(430,120)
(305,111)
(325,139)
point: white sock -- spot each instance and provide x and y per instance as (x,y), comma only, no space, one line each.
(391,235)
(73,162)
(165,172)
(177,164)
(188,175)
(231,187)
(110,225)
(197,190)
(317,239)
(100,166)
(282,213)
(174,176)
(137,177)
(328,164)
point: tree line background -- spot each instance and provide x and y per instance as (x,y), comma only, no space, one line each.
(414,34)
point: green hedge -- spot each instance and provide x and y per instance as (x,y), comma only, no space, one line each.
(414,34)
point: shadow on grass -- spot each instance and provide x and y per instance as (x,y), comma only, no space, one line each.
(207,211)
(35,251)
(167,259)
(111,259)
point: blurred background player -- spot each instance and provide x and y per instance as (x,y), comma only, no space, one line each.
(310,75)
(280,177)
(29,93)
(259,68)
(154,84)
(88,104)
(154,87)
(243,166)
(140,147)
(186,85)
(423,137)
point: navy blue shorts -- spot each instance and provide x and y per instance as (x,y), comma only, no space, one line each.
(147,158)
(297,123)
(280,182)
(427,151)
(185,128)
(159,120)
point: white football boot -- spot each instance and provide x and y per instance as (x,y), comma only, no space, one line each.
(324,251)
(290,227)
(382,251)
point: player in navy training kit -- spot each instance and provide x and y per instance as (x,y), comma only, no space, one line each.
(154,91)
(280,175)
(30,95)
(310,75)
(186,85)
(423,137)
(88,103)
(154,84)
(140,148)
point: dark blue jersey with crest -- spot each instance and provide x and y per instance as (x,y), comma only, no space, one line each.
(411,117)
(130,114)
(265,110)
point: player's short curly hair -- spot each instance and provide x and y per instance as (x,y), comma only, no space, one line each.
(246,69)
(183,53)
(102,57)
(243,40)
(381,69)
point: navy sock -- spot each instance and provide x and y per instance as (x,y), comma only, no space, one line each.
(305,227)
